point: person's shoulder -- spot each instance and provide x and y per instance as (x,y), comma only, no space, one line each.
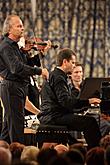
(57,72)
(4,43)
(54,74)
(56,77)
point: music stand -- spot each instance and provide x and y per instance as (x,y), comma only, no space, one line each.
(92,87)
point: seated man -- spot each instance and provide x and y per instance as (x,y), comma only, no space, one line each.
(76,85)
(58,102)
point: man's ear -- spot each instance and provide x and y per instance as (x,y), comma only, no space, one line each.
(64,61)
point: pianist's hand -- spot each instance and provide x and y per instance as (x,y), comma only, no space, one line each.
(94,101)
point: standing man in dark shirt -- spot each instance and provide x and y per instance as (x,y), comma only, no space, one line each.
(58,103)
(15,73)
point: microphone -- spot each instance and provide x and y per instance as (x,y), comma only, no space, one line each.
(45,44)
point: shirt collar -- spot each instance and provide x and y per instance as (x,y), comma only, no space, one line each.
(62,72)
(10,40)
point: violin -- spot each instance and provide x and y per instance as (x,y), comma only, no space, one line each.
(35,43)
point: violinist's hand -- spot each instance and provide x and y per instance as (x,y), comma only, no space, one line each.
(45,73)
(48,46)
(94,101)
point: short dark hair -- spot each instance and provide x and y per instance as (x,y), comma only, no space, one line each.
(65,53)
(79,64)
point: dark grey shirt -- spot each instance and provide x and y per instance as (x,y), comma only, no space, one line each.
(57,100)
(13,63)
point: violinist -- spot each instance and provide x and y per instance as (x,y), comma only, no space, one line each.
(16,74)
